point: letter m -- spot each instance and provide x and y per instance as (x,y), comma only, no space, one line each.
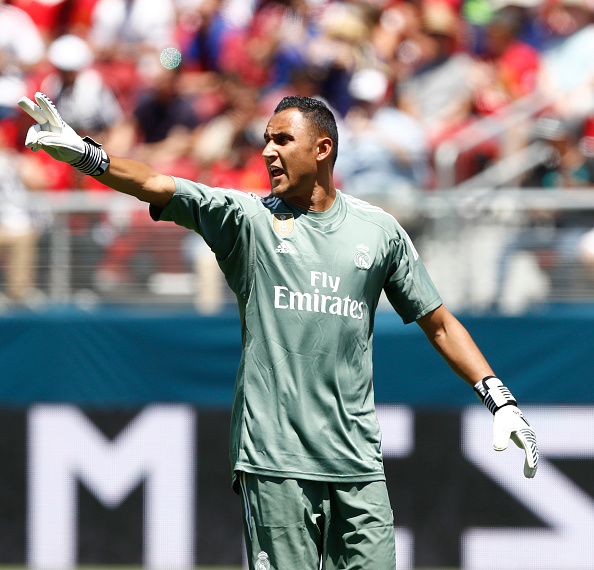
(300,296)
(155,448)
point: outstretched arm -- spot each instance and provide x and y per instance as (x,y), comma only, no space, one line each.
(454,343)
(139,180)
(61,142)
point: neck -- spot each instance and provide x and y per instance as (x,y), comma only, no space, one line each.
(320,200)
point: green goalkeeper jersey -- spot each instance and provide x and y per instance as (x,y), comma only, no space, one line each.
(307,285)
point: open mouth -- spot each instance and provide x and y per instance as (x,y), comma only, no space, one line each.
(276,172)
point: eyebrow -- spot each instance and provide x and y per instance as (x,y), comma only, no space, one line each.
(272,135)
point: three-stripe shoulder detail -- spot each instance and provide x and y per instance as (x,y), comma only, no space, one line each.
(359,204)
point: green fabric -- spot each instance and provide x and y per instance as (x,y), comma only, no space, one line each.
(290,523)
(307,292)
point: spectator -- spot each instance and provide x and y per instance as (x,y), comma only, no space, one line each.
(555,237)
(506,68)
(161,128)
(439,93)
(568,76)
(342,48)
(527,16)
(384,152)
(125,35)
(567,166)
(21,49)
(239,112)
(84,98)
(274,42)
(387,32)
(160,131)
(18,232)
(241,168)
(122,29)
(230,148)
(49,16)
(90,104)
(206,48)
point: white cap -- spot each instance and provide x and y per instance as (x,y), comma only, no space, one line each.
(70,53)
(368,85)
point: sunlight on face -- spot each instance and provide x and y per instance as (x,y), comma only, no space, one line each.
(290,154)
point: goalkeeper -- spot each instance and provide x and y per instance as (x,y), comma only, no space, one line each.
(308,265)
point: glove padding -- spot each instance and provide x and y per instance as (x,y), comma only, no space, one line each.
(509,423)
(59,140)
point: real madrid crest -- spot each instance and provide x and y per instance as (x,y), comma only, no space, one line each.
(283,224)
(362,257)
(263,563)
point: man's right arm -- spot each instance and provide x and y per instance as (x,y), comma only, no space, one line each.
(138,180)
(53,135)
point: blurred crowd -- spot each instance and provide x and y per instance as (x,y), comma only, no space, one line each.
(402,77)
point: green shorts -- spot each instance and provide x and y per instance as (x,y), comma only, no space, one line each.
(292,524)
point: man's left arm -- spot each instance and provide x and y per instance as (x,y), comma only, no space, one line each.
(451,339)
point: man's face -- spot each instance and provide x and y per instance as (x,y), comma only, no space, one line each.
(290,154)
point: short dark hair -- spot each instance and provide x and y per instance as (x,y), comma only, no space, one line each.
(319,116)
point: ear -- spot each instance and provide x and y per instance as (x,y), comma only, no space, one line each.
(324,148)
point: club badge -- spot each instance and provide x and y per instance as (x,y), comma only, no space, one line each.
(283,224)
(263,563)
(362,257)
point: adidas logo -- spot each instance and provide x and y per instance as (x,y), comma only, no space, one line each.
(285,247)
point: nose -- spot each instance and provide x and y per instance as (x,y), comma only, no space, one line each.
(269,151)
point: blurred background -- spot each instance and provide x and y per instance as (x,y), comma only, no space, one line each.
(471,121)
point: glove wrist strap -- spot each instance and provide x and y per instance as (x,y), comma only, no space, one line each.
(491,392)
(94,161)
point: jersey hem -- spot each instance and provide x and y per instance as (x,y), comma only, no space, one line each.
(357,478)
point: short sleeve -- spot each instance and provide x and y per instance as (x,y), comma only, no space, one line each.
(409,287)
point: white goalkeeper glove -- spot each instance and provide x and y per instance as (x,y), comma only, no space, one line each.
(59,140)
(508,421)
